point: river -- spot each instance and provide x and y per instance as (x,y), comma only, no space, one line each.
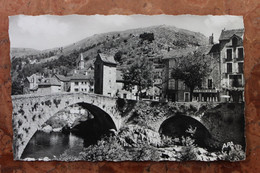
(51,145)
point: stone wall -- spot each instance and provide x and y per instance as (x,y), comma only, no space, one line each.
(30,112)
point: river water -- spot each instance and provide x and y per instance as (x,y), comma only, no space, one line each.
(51,145)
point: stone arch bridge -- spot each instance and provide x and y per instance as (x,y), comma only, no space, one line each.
(30,112)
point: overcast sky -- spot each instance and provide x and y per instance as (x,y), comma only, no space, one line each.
(48,31)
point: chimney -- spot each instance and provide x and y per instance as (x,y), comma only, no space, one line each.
(211,39)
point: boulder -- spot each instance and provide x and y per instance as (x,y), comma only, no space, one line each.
(47,129)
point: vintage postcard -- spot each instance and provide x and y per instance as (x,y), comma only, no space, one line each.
(127,88)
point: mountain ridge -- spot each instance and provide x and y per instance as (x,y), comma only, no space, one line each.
(94,39)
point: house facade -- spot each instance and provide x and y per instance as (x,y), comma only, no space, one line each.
(64,81)
(80,83)
(49,85)
(209,91)
(172,89)
(123,93)
(105,75)
(31,83)
(232,63)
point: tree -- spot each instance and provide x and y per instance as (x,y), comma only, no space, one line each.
(118,56)
(192,69)
(139,73)
(147,36)
(17,88)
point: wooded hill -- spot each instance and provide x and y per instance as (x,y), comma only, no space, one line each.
(149,42)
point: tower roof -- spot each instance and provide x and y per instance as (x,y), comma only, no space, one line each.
(107,58)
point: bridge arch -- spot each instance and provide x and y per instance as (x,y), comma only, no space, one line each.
(181,125)
(31,112)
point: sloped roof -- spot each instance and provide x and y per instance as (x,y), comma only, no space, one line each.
(204,49)
(79,77)
(177,53)
(227,34)
(62,78)
(36,76)
(215,48)
(107,58)
(50,82)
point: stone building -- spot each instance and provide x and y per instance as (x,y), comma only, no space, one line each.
(232,62)
(174,90)
(210,88)
(49,85)
(80,83)
(105,75)
(121,92)
(64,81)
(31,83)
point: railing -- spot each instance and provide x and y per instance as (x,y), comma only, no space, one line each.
(205,91)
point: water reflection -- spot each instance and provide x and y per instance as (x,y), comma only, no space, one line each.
(51,145)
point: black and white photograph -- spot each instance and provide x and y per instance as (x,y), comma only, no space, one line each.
(127,87)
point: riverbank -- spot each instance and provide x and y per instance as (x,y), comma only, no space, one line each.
(135,143)
(66,119)
(137,140)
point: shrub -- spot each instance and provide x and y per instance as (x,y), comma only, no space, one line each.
(232,152)
(147,36)
(120,103)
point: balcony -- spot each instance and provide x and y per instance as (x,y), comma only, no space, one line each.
(205,91)
(240,59)
(227,60)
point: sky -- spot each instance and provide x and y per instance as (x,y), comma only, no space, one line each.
(49,31)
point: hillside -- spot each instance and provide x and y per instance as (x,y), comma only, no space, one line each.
(20,52)
(149,42)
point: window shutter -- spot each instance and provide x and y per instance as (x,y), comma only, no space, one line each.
(224,68)
(235,67)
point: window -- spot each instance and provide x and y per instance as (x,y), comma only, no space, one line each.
(235,80)
(171,84)
(234,41)
(82,89)
(240,67)
(209,83)
(76,83)
(124,95)
(186,97)
(76,89)
(229,54)
(229,67)
(240,53)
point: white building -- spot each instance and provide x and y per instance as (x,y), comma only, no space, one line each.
(80,83)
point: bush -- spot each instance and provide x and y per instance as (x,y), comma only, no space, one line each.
(232,152)
(147,36)
(120,103)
